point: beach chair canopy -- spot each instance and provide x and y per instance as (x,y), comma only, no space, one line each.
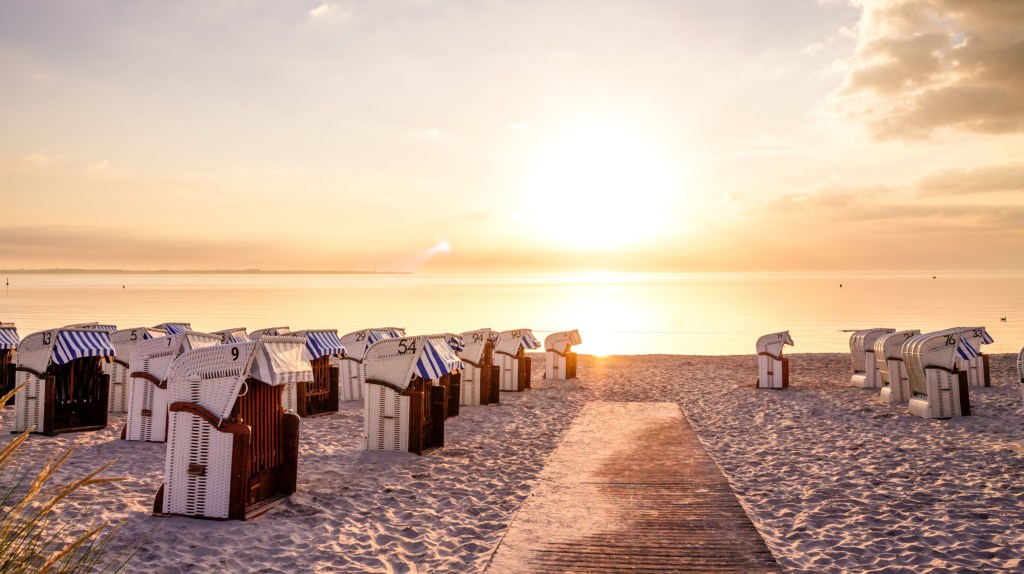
(772,343)
(890,345)
(397,361)
(321,343)
(271,331)
(357,342)
(475,342)
(125,340)
(63,345)
(223,370)
(936,349)
(561,342)
(175,328)
(455,342)
(509,342)
(155,356)
(232,336)
(971,340)
(864,340)
(8,336)
(94,326)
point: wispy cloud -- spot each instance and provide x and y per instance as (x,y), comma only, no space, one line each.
(36,160)
(997,178)
(98,167)
(331,13)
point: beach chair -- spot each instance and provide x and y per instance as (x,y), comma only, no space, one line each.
(893,373)
(405,401)
(272,331)
(8,349)
(124,342)
(862,352)
(560,361)
(66,390)
(175,328)
(232,336)
(938,388)
(977,367)
(351,375)
(479,384)
(147,386)
(772,367)
(232,450)
(319,395)
(1020,371)
(514,366)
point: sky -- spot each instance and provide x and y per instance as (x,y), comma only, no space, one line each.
(531,136)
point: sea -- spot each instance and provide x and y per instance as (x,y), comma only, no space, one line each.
(632,314)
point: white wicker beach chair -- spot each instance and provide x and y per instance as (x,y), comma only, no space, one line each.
(405,403)
(147,388)
(479,385)
(9,340)
(232,451)
(514,367)
(351,375)
(938,389)
(272,331)
(977,366)
(232,336)
(66,390)
(893,373)
(124,341)
(560,362)
(772,367)
(862,353)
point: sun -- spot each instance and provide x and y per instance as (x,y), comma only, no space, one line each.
(602,186)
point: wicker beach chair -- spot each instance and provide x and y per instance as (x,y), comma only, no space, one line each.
(405,400)
(938,388)
(514,366)
(66,390)
(977,367)
(232,336)
(862,353)
(893,373)
(124,341)
(175,328)
(272,331)
(147,388)
(8,350)
(560,361)
(772,367)
(479,385)
(232,450)
(351,375)
(319,395)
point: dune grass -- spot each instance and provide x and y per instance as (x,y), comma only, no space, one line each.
(35,536)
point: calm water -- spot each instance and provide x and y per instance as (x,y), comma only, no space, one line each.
(710,314)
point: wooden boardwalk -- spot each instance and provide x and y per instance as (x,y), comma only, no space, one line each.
(631,489)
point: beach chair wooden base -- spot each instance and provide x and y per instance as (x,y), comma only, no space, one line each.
(411,420)
(452,383)
(479,385)
(947,397)
(514,371)
(560,366)
(318,397)
(8,374)
(979,373)
(72,398)
(773,371)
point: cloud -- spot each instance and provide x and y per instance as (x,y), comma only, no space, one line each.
(98,167)
(985,179)
(331,13)
(924,65)
(36,160)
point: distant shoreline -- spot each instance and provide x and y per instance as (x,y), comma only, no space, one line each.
(59,271)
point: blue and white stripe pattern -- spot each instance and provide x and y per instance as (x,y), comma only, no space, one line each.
(175,328)
(966,350)
(456,343)
(71,345)
(529,340)
(436,360)
(986,339)
(9,338)
(374,336)
(322,343)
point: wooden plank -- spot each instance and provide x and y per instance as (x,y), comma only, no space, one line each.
(631,488)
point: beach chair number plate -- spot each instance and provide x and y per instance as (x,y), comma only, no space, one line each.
(234,353)
(406,346)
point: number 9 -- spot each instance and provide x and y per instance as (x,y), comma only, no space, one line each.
(234,353)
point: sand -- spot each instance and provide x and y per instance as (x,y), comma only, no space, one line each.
(834,480)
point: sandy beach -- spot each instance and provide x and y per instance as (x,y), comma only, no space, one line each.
(834,480)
